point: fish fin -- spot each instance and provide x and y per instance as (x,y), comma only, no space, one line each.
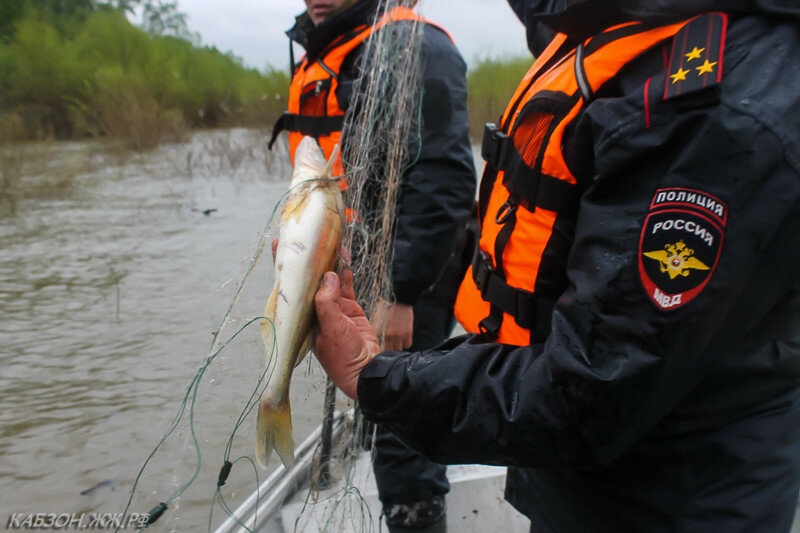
(274,432)
(331,161)
(272,302)
(304,349)
(266,328)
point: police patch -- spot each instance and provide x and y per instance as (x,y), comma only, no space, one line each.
(680,245)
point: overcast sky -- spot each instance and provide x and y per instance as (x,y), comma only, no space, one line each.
(254,29)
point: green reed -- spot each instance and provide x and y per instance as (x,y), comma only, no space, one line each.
(490,85)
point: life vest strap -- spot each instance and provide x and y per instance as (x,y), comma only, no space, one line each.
(532,189)
(528,187)
(531,311)
(314,126)
(496,146)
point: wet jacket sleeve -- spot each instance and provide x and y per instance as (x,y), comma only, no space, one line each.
(614,364)
(439,190)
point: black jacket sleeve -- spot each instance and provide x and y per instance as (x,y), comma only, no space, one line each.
(614,364)
(439,190)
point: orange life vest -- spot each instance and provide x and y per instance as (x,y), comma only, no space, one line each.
(510,290)
(314,108)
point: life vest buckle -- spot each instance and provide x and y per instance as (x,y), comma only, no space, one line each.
(482,269)
(505,211)
(495,149)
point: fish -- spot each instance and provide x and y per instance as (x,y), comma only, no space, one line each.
(107,483)
(309,239)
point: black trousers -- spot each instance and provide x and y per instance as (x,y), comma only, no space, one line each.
(406,477)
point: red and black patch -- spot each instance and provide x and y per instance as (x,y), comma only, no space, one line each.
(680,245)
(697,53)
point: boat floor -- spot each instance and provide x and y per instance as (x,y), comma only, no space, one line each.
(474,504)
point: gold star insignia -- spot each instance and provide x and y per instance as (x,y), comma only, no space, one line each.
(705,67)
(680,75)
(694,54)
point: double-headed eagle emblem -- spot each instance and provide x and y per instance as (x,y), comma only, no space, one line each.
(677,260)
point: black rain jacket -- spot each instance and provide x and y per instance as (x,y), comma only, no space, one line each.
(629,417)
(438,191)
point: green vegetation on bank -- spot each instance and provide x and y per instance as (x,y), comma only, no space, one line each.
(89,71)
(490,85)
(77,68)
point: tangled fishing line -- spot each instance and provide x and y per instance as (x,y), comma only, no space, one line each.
(382,140)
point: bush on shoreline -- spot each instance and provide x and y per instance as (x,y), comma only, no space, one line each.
(94,74)
(490,84)
(105,77)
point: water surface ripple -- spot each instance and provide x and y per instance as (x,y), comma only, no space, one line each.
(110,290)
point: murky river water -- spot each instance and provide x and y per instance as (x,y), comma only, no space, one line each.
(110,289)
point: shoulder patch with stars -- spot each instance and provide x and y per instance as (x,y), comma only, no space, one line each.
(697,53)
(680,245)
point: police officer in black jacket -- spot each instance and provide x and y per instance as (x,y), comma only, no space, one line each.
(435,202)
(638,411)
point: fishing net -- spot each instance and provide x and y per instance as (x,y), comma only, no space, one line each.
(381,141)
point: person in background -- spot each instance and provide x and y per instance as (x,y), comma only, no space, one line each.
(435,202)
(634,308)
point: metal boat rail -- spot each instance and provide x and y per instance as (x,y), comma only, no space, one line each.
(264,503)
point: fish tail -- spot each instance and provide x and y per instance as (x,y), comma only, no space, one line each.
(274,431)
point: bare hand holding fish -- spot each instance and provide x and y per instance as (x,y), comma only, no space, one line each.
(346,341)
